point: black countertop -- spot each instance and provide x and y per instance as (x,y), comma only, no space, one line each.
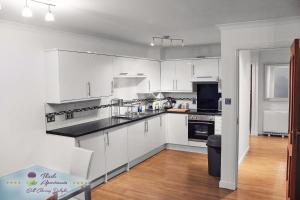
(108,123)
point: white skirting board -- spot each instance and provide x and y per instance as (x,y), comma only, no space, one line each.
(275,122)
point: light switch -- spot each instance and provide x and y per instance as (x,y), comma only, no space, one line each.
(227,101)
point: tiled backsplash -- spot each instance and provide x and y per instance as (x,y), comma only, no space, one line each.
(123,88)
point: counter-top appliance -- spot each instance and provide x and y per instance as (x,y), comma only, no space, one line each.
(200,127)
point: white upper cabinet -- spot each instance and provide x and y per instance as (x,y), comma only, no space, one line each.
(176,76)
(168,75)
(205,69)
(151,83)
(128,67)
(183,75)
(102,76)
(177,130)
(73,76)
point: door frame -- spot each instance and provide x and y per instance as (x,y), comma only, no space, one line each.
(236,96)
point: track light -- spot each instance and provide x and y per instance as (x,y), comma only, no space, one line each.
(26,10)
(152,44)
(0,6)
(49,17)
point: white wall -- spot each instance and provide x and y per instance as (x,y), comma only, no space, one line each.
(193,51)
(22,85)
(253,35)
(244,102)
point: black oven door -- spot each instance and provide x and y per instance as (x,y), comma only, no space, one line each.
(200,130)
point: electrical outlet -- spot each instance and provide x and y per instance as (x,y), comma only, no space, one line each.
(69,115)
(50,118)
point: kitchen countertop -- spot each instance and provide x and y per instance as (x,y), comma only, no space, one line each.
(108,123)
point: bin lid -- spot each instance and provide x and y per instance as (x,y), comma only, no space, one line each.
(214,141)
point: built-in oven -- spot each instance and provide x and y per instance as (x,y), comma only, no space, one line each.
(200,127)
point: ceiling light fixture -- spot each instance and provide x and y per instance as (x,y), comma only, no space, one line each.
(162,39)
(26,10)
(49,17)
(0,6)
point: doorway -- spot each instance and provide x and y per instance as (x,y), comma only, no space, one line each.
(263,116)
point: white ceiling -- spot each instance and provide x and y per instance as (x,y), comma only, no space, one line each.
(138,20)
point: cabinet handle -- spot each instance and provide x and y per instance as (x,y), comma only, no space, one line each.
(140,74)
(173,85)
(124,73)
(193,69)
(78,143)
(107,136)
(186,121)
(89,89)
(112,87)
(145,128)
(176,85)
(149,85)
(204,76)
(160,122)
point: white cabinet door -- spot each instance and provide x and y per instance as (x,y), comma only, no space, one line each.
(184,76)
(151,83)
(155,133)
(101,74)
(177,129)
(206,69)
(116,148)
(73,75)
(136,140)
(95,142)
(153,74)
(127,67)
(168,75)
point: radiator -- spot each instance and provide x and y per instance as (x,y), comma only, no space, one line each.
(275,122)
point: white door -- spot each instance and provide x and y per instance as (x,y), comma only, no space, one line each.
(206,68)
(178,129)
(116,148)
(136,140)
(101,76)
(183,76)
(73,75)
(95,142)
(168,72)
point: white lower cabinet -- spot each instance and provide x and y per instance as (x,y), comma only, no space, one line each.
(155,132)
(177,130)
(95,142)
(136,140)
(116,148)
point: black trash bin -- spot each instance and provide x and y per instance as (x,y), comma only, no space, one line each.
(214,155)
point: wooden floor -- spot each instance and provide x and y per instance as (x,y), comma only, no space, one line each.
(174,175)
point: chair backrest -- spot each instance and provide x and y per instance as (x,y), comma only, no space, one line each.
(80,162)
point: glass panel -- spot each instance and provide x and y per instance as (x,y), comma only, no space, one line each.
(276,79)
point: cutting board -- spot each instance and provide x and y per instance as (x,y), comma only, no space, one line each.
(177,110)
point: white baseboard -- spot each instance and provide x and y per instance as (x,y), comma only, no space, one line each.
(227,185)
(241,159)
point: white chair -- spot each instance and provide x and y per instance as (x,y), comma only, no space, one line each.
(80,165)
